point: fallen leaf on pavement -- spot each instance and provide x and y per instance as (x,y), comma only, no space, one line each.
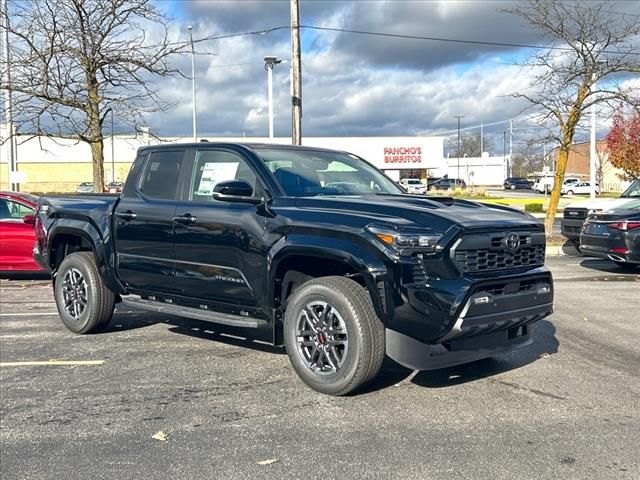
(268,462)
(161,436)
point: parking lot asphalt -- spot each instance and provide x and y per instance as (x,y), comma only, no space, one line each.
(567,406)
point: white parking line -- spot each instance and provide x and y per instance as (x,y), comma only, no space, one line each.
(34,314)
(51,362)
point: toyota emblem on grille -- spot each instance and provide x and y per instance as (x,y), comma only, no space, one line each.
(512,241)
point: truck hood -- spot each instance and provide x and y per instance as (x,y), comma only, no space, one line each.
(408,211)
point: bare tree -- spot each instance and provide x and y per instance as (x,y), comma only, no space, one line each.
(469,145)
(592,48)
(74,62)
(527,159)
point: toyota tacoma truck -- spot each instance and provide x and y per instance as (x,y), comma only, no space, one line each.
(318,246)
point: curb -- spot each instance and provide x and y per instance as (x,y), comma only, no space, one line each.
(561,250)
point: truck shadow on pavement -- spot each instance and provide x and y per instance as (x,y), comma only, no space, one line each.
(253,338)
(544,343)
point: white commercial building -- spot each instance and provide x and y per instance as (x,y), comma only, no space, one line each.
(58,164)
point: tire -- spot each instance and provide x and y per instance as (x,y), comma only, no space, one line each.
(570,192)
(84,303)
(333,363)
(513,187)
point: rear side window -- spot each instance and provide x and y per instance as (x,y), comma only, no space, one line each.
(160,178)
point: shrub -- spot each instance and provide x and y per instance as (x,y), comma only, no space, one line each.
(533,207)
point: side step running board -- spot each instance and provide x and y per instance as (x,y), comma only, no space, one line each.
(190,312)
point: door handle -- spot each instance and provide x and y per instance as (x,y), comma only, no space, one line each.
(126,216)
(187,219)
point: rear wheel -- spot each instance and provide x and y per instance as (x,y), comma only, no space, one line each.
(334,339)
(84,303)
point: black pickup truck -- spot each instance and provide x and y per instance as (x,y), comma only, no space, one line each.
(317,245)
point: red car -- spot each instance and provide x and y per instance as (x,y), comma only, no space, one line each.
(17,218)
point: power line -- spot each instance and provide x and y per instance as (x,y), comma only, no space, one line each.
(453,40)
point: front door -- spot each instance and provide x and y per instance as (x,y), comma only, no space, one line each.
(144,224)
(220,254)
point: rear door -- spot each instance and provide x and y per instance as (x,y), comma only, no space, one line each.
(221,255)
(143,222)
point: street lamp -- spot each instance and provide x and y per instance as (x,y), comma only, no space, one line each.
(269,63)
(193,84)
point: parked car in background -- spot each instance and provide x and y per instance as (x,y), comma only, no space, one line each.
(114,187)
(576,213)
(578,188)
(431,181)
(613,234)
(17,237)
(85,187)
(448,184)
(545,184)
(513,183)
(413,185)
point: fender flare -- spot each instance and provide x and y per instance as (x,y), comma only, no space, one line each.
(356,256)
(103,249)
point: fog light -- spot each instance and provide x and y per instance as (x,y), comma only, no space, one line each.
(480,300)
(544,290)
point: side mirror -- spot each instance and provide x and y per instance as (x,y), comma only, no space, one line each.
(29,219)
(239,191)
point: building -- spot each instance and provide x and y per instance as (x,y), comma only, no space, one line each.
(578,165)
(54,164)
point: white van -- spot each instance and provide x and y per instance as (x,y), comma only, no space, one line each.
(543,184)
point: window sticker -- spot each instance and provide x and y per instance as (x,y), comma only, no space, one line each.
(214,173)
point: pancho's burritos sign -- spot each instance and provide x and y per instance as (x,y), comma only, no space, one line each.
(408,154)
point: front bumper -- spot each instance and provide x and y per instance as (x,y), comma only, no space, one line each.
(571,228)
(439,323)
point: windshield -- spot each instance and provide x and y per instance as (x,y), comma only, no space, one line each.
(632,191)
(315,172)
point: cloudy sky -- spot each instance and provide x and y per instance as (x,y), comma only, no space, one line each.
(355,85)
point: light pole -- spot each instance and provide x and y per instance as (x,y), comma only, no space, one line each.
(193,85)
(269,63)
(8,104)
(458,117)
(592,150)
(113,164)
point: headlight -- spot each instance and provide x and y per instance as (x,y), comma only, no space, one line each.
(425,242)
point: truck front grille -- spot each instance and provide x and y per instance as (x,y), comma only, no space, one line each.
(482,253)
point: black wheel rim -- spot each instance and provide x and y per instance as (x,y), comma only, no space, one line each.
(321,338)
(74,293)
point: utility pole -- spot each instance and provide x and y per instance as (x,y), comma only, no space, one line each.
(193,85)
(113,163)
(458,152)
(8,104)
(296,73)
(510,148)
(592,150)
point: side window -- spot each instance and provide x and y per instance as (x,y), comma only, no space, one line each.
(14,211)
(213,167)
(160,178)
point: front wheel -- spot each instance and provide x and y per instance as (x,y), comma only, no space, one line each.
(84,303)
(334,339)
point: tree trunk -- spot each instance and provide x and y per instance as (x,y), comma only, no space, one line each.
(96,139)
(97,159)
(561,167)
